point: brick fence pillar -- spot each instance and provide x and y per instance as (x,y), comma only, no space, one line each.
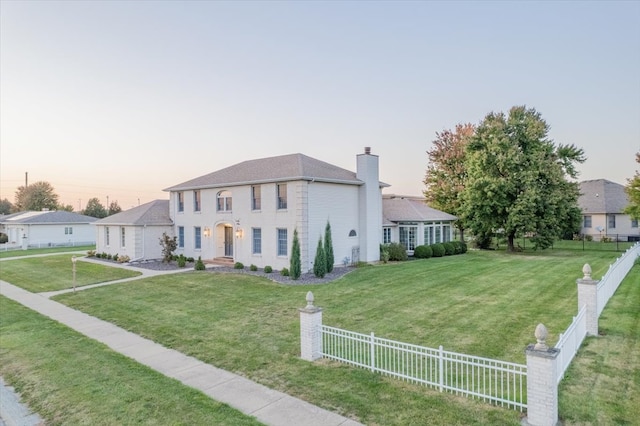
(542,388)
(588,296)
(310,336)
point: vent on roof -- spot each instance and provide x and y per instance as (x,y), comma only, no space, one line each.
(367,150)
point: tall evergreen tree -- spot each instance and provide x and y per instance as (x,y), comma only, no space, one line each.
(328,248)
(295,269)
(320,261)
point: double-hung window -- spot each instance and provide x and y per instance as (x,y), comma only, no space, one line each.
(386,235)
(180,201)
(224,201)
(612,221)
(282,196)
(198,237)
(256,240)
(282,242)
(256,201)
(181,236)
(196,200)
(586,221)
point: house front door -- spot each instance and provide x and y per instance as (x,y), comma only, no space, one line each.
(228,241)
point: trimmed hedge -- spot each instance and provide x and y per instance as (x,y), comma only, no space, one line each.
(423,252)
(449,249)
(397,252)
(438,249)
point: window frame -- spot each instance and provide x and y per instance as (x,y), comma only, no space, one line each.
(197,201)
(256,197)
(107,237)
(281,196)
(197,240)
(386,235)
(282,248)
(256,240)
(611,221)
(180,201)
(123,236)
(227,201)
(180,236)
(587,221)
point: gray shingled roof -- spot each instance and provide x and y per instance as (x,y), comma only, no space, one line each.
(46,217)
(398,208)
(272,169)
(153,213)
(602,196)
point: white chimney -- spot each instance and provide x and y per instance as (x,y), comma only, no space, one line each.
(370,206)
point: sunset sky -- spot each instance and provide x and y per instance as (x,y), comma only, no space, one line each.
(122,99)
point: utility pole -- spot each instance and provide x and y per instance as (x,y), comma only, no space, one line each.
(107,202)
(26,179)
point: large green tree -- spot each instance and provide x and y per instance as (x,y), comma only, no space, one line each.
(94,208)
(5,206)
(37,196)
(446,174)
(633,191)
(517,180)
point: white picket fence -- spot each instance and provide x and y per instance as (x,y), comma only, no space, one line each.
(570,342)
(502,383)
(615,275)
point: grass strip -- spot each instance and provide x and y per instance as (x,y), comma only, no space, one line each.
(50,250)
(50,273)
(70,379)
(602,385)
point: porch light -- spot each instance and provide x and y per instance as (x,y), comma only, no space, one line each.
(207,231)
(239,233)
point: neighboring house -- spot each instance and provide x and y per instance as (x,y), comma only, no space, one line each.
(248,212)
(47,228)
(135,232)
(601,202)
(411,222)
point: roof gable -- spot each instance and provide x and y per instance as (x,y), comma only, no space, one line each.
(152,213)
(272,169)
(602,196)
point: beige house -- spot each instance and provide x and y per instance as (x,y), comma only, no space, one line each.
(602,202)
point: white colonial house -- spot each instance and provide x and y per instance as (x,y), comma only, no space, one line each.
(248,213)
(29,229)
(602,202)
(135,232)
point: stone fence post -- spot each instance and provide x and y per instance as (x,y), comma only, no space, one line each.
(310,335)
(588,296)
(542,387)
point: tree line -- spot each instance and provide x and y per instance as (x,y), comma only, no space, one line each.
(506,176)
(42,196)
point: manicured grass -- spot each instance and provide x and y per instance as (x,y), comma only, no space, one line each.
(52,250)
(481,303)
(602,386)
(69,379)
(50,273)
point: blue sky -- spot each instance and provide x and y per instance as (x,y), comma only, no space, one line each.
(123,99)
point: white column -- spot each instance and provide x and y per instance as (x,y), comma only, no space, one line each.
(310,336)
(542,388)
(588,296)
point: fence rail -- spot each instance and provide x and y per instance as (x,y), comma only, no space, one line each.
(500,382)
(615,275)
(570,342)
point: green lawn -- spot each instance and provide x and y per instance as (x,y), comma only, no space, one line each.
(482,303)
(69,379)
(51,273)
(30,252)
(602,385)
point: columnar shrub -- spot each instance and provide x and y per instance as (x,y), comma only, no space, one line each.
(438,250)
(422,252)
(397,252)
(295,268)
(449,249)
(328,248)
(320,261)
(200,265)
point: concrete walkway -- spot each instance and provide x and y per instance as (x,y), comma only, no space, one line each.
(268,406)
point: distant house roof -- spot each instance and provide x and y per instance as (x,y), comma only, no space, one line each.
(399,208)
(46,218)
(602,196)
(152,213)
(272,169)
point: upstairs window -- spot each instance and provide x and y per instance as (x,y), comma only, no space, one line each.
(224,201)
(586,221)
(180,201)
(256,201)
(196,200)
(282,196)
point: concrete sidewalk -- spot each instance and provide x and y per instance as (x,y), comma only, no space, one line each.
(268,406)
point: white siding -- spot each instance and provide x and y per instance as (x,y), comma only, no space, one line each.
(51,234)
